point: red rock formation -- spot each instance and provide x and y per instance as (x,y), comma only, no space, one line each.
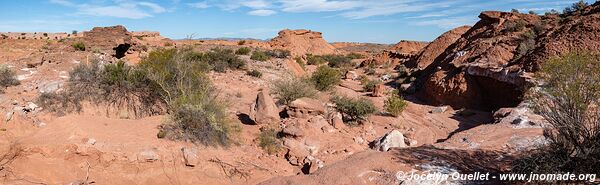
(436,48)
(491,64)
(302,42)
(411,47)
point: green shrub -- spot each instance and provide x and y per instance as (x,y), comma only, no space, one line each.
(515,26)
(369,86)
(314,59)
(353,109)
(243,51)
(395,104)
(355,56)
(268,141)
(300,62)
(291,88)
(325,78)
(568,100)
(196,115)
(7,77)
(79,46)
(278,53)
(575,7)
(222,59)
(254,73)
(260,56)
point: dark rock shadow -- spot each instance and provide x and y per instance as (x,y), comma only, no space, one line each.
(245,119)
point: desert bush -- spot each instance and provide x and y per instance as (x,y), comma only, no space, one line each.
(60,102)
(395,104)
(241,42)
(222,59)
(567,97)
(291,88)
(278,53)
(353,109)
(369,86)
(355,56)
(243,51)
(260,56)
(515,26)
(575,7)
(314,59)
(269,142)
(300,62)
(196,114)
(325,78)
(527,44)
(7,77)
(514,11)
(79,46)
(254,73)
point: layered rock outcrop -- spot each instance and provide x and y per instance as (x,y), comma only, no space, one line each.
(490,65)
(436,48)
(302,42)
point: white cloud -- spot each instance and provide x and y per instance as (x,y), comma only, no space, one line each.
(447,23)
(256,4)
(119,9)
(262,12)
(155,7)
(317,5)
(201,5)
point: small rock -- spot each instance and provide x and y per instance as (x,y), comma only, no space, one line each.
(393,139)
(438,110)
(379,90)
(359,140)
(41,124)
(190,156)
(9,116)
(305,107)
(91,141)
(351,75)
(293,130)
(148,155)
(337,121)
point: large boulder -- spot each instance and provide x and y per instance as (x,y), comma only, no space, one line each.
(393,139)
(436,48)
(305,107)
(264,110)
(113,40)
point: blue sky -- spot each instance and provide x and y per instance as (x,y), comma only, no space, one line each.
(377,21)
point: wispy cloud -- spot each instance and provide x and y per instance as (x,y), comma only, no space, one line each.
(201,5)
(447,23)
(262,12)
(318,5)
(118,9)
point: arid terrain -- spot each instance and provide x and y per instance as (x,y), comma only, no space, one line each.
(464,111)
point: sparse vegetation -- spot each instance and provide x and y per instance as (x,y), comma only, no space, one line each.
(568,99)
(369,85)
(79,46)
(278,53)
(260,56)
(527,44)
(243,51)
(515,26)
(254,73)
(291,88)
(300,62)
(241,42)
(576,7)
(269,142)
(168,80)
(336,61)
(7,78)
(395,104)
(353,109)
(325,78)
